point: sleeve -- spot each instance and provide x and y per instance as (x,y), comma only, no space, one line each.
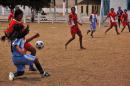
(16,42)
(10,27)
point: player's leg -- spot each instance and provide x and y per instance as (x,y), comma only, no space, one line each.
(109,29)
(93,29)
(40,69)
(92,33)
(123,29)
(19,72)
(116,29)
(80,39)
(31,49)
(119,22)
(70,40)
(30,59)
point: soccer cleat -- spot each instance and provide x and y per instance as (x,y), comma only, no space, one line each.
(11,76)
(45,74)
(88,31)
(82,48)
(65,47)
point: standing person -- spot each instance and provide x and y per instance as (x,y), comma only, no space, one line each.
(125,21)
(73,21)
(18,15)
(112,15)
(19,56)
(32,16)
(119,13)
(93,22)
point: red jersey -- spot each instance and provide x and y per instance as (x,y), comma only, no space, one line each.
(11,25)
(73,18)
(112,16)
(124,17)
(74,28)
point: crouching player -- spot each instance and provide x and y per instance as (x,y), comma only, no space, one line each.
(20,58)
(125,22)
(17,21)
(93,22)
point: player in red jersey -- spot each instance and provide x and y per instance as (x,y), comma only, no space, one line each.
(17,21)
(125,22)
(112,15)
(73,22)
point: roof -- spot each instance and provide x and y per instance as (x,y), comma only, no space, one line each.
(84,2)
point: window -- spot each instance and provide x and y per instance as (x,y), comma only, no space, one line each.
(81,9)
(92,8)
(87,9)
(128,5)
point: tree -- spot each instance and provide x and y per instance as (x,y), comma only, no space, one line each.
(34,4)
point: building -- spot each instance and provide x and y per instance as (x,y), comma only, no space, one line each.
(85,7)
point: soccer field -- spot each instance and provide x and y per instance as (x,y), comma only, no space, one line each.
(105,62)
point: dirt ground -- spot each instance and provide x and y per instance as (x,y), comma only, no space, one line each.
(105,62)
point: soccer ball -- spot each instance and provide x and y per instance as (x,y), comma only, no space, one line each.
(39,44)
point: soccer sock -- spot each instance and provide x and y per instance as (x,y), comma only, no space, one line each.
(18,73)
(38,66)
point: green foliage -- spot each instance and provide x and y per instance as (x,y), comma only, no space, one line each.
(34,4)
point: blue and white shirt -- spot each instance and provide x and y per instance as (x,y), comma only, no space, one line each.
(20,43)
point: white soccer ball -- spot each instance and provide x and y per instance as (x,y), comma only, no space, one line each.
(39,44)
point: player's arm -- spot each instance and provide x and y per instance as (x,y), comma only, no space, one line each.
(33,37)
(90,18)
(69,20)
(79,23)
(5,36)
(22,51)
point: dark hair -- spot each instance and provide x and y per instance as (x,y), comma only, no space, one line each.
(125,10)
(72,8)
(19,32)
(17,12)
(112,8)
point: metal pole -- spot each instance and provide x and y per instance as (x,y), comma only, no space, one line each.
(76,2)
(66,6)
(54,9)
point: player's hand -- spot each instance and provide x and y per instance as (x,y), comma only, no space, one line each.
(37,35)
(3,38)
(80,24)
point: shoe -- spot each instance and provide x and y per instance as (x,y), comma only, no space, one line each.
(65,47)
(82,48)
(92,36)
(88,31)
(118,33)
(45,74)
(11,76)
